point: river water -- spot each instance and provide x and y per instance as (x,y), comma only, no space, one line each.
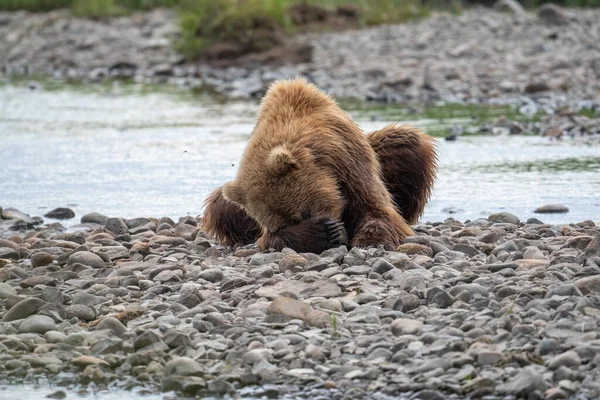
(133,151)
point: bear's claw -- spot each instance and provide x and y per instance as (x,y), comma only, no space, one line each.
(336,234)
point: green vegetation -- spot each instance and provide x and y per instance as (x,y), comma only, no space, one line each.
(256,26)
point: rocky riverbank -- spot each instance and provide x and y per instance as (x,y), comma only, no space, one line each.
(548,58)
(494,307)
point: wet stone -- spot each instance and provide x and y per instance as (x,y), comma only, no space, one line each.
(40,259)
(61,213)
(552,209)
(37,324)
(81,311)
(439,296)
(568,359)
(504,217)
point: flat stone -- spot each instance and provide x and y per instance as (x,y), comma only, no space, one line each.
(190,298)
(112,324)
(488,357)
(504,217)
(61,213)
(82,311)
(94,218)
(415,248)
(86,258)
(212,275)
(404,326)
(37,324)
(589,284)
(40,259)
(113,252)
(524,382)
(116,226)
(6,290)
(292,262)
(325,288)
(38,280)
(23,309)
(297,309)
(84,361)
(552,209)
(440,297)
(568,359)
(183,366)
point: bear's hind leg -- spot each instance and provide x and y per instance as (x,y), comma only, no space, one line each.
(227,222)
(408,164)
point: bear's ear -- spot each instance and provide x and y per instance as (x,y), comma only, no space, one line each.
(281,161)
(233,193)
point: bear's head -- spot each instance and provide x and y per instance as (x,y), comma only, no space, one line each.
(283,186)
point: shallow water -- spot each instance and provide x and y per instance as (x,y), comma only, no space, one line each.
(130,151)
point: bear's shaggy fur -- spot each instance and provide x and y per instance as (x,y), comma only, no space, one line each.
(307,165)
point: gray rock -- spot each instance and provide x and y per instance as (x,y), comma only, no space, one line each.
(552,14)
(404,326)
(37,324)
(55,337)
(85,298)
(61,213)
(53,295)
(112,324)
(40,259)
(23,309)
(175,339)
(113,252)
(38,280)
(504,217)
(82,311)
(403,302)
(183,366)
(292,262)
(325,288)
(511,6)
(567,359)
(94,218)
(533,253)
(6,290)
(552,209)
(265,258)
(488,357)
(190,298)
(526,381)
(86,258)
(212,275)
(381,266)
(116,226)
(440,297)
(592,250)
(146,339)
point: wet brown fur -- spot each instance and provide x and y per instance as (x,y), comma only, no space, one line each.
(408,163)
(307,155)
(228,223)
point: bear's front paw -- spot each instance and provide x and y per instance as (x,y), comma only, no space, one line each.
(336,234)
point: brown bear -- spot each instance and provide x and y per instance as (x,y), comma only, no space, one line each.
(309,179)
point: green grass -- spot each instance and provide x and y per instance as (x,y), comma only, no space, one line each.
(250,26)
(588,112)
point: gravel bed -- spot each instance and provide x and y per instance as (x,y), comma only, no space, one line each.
(493,307)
